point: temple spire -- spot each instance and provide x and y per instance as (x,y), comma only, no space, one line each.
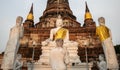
(87,12)
(31,10)
(87,9)
(30,15)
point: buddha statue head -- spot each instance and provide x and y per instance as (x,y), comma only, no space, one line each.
(19,56)
(59,42)
(59,21)
(19,20)
(101,57)
(101,20)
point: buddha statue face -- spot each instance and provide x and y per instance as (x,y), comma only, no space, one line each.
(59,22)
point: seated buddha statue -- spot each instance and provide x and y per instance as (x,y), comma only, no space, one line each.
(58,32)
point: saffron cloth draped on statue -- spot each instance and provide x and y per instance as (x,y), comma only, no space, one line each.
(61,33)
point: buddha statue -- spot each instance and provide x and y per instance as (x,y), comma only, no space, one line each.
(58,32)
(105,36)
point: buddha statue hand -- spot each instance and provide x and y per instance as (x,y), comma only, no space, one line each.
(46,42)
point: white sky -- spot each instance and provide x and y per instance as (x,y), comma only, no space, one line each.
(10,9)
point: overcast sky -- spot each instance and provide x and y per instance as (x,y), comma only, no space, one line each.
(10,9)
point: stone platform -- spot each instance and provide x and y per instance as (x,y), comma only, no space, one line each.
(81,66)
(71,47)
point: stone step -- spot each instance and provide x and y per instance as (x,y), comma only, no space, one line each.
(82,66)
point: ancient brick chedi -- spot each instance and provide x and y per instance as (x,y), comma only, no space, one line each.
(38,32)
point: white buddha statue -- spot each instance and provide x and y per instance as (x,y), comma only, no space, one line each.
(102,64)
(105,36)
(58,32)
(16,33)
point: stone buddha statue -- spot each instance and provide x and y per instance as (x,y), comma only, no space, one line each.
(16,33)
(58,32)
(105,36)
(102,64)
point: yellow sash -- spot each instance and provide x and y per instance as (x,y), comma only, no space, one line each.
(61,33)
(102,32)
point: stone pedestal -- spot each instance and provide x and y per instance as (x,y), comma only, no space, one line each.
(81,66)
(71,47)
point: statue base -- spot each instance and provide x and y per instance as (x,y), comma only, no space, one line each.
(81,66)
(75,64)
(71,47)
